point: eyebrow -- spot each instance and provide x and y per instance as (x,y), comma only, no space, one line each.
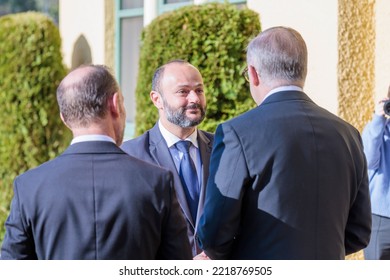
(187,85)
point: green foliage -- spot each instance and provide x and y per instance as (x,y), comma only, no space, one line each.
(212,37)
(31,68)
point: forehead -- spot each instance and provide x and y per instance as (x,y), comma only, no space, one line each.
(181,74)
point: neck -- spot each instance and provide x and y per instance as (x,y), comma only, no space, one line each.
(93,129)
(181,132)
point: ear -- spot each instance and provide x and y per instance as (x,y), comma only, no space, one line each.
(253,75)
(114,104)
(156,99)
(63,120)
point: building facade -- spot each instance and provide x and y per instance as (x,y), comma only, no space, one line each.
(347,40)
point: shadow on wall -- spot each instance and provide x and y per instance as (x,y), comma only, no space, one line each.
(81,52)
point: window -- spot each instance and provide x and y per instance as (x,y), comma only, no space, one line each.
(131,4)
(129,24)
(170,5)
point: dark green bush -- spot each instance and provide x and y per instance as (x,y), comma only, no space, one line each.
(31,68)
(212,37)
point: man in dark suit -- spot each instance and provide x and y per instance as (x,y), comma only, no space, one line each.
(94,201)
(178,94)
(288,179)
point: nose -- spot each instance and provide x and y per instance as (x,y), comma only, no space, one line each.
(193,97)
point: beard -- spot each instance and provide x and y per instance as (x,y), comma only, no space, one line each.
(179,117)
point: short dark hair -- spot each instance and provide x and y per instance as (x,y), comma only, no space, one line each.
(85,100)
(159,73)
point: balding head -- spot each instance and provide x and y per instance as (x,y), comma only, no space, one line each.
(82,95)
(159,73)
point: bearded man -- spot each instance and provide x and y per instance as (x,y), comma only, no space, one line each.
(178,94)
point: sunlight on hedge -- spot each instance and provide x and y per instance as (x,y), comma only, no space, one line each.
(212,37)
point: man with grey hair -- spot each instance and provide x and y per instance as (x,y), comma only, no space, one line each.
(94,201)
(178,94)
(288,179)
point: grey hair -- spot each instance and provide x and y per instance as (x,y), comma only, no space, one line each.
(85,100)
(279,55)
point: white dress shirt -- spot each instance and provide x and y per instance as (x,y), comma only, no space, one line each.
(283,88)
(172,139)
(92,137)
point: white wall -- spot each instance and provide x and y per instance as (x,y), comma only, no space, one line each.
(317,21)
(82,17)
(150,11)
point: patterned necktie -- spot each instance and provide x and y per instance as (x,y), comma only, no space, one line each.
(189,177)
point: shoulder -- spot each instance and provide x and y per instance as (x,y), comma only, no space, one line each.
(31,179)
(206,135)
(151,135)
(136,141)
(339,123)
(244,122)
(137,145)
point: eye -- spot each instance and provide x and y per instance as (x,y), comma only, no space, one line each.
(199,91)
(183,91)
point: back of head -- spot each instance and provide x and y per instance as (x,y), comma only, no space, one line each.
(82,95)
(279,55)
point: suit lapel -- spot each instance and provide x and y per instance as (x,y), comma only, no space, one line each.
(205,147)
(161,155)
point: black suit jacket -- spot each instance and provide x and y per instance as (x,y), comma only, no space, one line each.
(95,202)
(152,147)
(288,180)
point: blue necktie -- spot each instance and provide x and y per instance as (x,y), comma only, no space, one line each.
(188,177)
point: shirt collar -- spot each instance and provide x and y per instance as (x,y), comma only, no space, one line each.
(283,88)
(92,137)
(172,139)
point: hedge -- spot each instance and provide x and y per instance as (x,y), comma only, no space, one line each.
(31,68)
(212,37)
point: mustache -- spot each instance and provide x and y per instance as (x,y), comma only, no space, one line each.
(193,106)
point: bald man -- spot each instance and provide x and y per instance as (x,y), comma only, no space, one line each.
(94,201)
(178,94)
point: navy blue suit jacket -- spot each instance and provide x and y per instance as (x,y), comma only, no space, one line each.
(288,180)
(95,202)
(152,147)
